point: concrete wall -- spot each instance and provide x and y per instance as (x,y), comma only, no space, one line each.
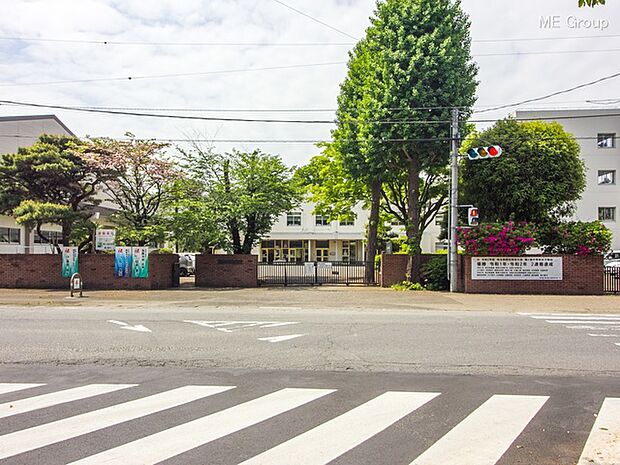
(582,276)
(97,271)
(226,271)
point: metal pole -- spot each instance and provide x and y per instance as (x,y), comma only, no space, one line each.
(454,201)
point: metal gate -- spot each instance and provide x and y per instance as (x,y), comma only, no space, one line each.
(314,273)
(611,283)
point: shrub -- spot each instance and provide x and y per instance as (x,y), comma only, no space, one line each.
(497,239)
(408,286)
(575,238)
(435,274)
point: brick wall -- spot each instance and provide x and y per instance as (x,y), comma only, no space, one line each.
(97,271)
(582,276)
(227,271)
(394,267)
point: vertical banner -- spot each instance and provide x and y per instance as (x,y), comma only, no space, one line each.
(69,261)
(140,262)
(122,262)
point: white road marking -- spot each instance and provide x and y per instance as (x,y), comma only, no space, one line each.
(601,318)
(485,435)
(5,388)
(60,397)
(607,328)
(174,441)
(603,444)
(39,436)
(545,315)
(225,326)
(137,328)
(618,344)
(279,308)
(334,438)
(572,322)
(603,335)
(280,338)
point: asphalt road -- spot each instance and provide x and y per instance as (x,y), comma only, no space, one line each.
(284,385)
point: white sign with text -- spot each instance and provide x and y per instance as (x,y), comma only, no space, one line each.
(517,268)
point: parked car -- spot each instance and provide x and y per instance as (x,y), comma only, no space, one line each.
(187,264)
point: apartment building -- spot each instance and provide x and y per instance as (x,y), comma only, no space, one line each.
(597,132)
(23,131)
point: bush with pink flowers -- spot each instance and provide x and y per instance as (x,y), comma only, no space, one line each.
(498,239)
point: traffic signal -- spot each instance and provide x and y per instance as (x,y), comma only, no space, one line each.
(473,216)
(493,151)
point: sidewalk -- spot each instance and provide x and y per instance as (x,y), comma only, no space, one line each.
(300,298)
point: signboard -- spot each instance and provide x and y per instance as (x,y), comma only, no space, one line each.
(122,262)
(140,266)
(104,239)
(517,268)
(69,261)
(309,269)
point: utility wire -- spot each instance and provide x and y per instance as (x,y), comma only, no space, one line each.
(271,44)
(554,94)
(316,20)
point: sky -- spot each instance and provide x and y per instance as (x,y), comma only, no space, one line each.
(284,77)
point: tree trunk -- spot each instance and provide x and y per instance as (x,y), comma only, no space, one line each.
(250,234)
(67,226)
(373,227)
(414,237)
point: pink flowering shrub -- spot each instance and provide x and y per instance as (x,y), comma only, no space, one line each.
(576,238)
(498,239)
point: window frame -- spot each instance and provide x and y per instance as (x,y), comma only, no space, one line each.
(9,233)
(602,173)
(607,220)
(321,220)
(605,136)
(293,219)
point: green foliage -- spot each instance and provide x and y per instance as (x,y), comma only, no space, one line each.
(497,239)
(408,286)
(539,175)
(435,274)
(130,235)
(591,3)
(575,238)
(162,251)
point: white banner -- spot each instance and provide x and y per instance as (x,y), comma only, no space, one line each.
(517,268)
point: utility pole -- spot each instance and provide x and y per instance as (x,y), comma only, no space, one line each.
(454,201)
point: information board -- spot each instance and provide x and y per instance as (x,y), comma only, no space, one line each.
(517,268)
(104,239)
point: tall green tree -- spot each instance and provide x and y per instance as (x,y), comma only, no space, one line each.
(538,177)
(412,68)
(52,182)
(591,3)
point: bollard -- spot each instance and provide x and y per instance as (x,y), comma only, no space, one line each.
(76,284)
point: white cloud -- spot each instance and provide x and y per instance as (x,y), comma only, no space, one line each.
(503,79)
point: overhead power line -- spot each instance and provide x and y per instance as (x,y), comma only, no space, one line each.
(554,94)
(175,75)
(316,20)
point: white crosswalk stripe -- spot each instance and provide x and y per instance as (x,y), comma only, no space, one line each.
(183,438)
(50,433)
(47,400)
(5,388)
(344,432)
(485,435)
(603,445)
(481,438)
(604,323)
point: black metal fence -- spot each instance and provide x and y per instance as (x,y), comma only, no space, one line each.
(315,273)
(611,282)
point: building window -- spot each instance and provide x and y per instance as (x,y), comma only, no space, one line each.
(10,236)
(54,237)
(293,219)
(607,213)
(606,141)
(322,251)
(347,222)
(607,177)
(321,220)
(439,246)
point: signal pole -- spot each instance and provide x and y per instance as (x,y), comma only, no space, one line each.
(454,201)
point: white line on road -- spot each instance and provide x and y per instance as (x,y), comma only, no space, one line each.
(334,438)
(279,308)
(127,326)
(61,397)
(280,338)
(174,441)
(5,388)
(545,315)
(225,326)
(596,328)
(573,317)
(603,335)
(61,430)
(116,322)
(603,444)
(485,435)
(577,322)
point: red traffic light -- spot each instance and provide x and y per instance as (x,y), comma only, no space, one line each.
(484,152)
(495,151)
(473,216)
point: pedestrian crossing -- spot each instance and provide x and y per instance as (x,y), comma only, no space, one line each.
(603,326)
(482,437)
